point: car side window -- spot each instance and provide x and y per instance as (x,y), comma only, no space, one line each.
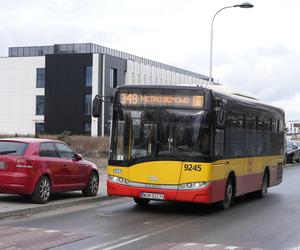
(47,150)
(64,151)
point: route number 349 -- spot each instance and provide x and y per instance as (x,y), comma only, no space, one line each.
(192,167)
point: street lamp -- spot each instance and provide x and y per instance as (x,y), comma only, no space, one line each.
(243,5)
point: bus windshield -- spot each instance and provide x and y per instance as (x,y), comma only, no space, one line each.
(155,132)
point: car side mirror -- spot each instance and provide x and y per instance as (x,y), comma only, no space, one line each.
(78,157)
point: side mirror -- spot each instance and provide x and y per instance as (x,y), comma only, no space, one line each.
(97,106)
(78,157)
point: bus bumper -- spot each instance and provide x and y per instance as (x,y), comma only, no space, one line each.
(202,195)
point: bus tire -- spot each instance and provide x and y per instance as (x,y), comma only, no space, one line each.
(264,186)
(229,194)
(141,202)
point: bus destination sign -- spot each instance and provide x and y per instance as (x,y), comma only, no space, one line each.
(137,99)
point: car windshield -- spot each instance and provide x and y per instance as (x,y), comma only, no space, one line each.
(12,148)
(159,132)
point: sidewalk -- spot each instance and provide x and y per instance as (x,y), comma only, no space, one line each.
(17,205)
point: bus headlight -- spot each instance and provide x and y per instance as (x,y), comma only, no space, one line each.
(193,185)
(118,179)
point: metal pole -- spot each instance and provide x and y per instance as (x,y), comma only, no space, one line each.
(211,41)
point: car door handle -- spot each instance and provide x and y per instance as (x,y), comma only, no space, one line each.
(65,165)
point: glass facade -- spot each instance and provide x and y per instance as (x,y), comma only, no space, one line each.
(87,128)
(75,48)
(39,128)
(40,77)
(113,77)
(88,104)
(88,76)
(40,105)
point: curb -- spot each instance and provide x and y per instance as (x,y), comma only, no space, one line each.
(50,206)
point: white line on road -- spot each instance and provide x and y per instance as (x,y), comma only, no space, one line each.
(211,245)
(51,231)
(140,237)
(231,247)
(191,244)
(112,242)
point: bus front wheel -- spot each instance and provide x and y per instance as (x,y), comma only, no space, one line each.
(141,202)
(229,195)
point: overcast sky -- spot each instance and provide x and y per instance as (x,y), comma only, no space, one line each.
(256,50)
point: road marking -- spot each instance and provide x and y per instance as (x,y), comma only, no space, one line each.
(112,242)
(51,231)
(148,222)
(140,237)
(212,245)
(231,247)
(191,244)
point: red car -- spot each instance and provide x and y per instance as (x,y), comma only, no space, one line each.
(39,167)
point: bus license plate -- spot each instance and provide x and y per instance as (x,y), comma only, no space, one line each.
(153,196)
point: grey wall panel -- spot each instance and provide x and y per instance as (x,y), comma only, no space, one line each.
(64,92)
(120,65)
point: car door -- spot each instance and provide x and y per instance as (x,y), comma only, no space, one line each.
(74,175)
(50,160)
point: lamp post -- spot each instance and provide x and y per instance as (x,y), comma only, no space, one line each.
(243,5)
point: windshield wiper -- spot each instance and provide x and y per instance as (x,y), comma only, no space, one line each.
(7,152)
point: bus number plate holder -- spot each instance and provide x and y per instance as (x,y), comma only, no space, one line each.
(154,196)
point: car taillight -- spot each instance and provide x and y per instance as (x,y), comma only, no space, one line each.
(22,163)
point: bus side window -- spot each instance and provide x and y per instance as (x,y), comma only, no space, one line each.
(219,142)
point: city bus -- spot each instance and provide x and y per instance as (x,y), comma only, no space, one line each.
(192,144)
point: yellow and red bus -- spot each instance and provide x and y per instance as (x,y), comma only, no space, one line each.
(192,144)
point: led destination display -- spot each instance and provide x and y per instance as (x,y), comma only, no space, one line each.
(136,99)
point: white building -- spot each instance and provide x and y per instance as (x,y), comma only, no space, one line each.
(49,89)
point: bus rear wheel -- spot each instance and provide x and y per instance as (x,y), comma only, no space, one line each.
(264,186)
(141,202)
(229,195)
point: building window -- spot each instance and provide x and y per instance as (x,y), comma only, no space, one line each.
(40,78)
(87,104)
(113,73)
(88,75)
(40,105)
(39,128)
(87,128)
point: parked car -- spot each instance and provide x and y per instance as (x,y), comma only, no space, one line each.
(292,152)
(40,167)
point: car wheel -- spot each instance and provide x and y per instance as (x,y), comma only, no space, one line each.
(228,196)
(141,202)
(42,191)
(92,186)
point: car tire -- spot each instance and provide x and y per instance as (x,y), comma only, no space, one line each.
(229,195)
(141,202)
(42,191)
(292,159)
(91,189)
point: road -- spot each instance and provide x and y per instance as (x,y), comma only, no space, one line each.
(252,223)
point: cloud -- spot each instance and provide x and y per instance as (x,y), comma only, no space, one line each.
(255,50)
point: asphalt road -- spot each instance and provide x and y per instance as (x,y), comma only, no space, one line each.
(252,223)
